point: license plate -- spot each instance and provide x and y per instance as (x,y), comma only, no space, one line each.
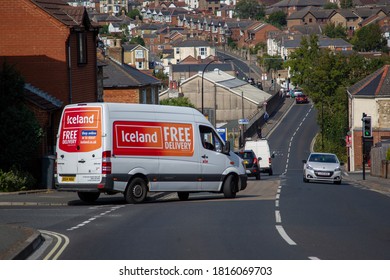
(68,178)
(324,173)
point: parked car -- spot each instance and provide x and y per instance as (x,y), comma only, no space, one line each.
(301,99)
(322,167)
(251,163)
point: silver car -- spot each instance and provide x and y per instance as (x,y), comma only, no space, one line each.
(322,167)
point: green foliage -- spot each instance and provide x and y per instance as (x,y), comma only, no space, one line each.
(20,133)
(271,62)
(134,13)
(104,29)
(137,40)
(249,9)
(369,38)
(179,101)
(325,76)
(15,180)
(346,4)
(330,6)
(333,31)
(231,43)
(278,19)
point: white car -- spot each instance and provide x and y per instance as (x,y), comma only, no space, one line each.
(322,167)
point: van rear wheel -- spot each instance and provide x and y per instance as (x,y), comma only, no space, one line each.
(230,187)
(88,197)
(136,192)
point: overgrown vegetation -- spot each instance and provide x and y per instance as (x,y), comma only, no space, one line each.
(179,101)
(325,77)
(20,133)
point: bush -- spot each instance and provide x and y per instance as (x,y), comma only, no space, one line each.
(15,180)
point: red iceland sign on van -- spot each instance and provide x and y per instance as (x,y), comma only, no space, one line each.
(81,129)
(153,138)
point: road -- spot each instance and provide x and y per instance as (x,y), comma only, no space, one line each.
(277,218)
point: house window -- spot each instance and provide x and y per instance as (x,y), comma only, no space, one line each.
(177,50)
(140,65)
(203,51)
(143,96)
(139,54)
(81,48)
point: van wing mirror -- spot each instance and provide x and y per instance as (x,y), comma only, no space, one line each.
(226,148)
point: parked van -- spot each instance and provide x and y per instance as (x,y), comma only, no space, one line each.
(262,151)
(134,149)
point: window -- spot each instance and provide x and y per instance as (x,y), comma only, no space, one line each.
(81,48)
(140,65)
(139,54)
(143,96)
(203,51)
(210,140)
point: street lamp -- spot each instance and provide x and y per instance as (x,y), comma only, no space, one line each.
(204,69)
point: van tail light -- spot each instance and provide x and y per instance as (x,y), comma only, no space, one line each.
(269,160)
(106,162)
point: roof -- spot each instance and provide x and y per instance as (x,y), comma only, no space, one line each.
(375,85)
(66,14)
(235,86)
(41,99)
(122,76)
(199,67)
(300,3)
(192,43)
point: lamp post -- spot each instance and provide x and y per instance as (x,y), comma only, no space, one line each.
(204,69)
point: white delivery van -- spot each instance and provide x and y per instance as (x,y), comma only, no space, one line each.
(262,151)
(135,148)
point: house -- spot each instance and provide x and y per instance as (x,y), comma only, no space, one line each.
(53,46)
(225,98)
(125,84)
(136,56)
(289,7)
(254,34)
(346,18)
(196,48)
(371,96)
(309,16)
(113,7)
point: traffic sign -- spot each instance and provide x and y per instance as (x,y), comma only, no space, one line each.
(243,121)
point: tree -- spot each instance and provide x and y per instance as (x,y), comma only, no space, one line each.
(137,40)
(134,13)
(249,9)
(346,4)
(330,6)
(179,101)
(278,19)
(20,133)
(369,38)
(333,31)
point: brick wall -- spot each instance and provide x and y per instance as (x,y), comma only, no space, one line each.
(121,95)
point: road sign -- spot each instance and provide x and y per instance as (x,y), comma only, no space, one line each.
(223,133)
(243,121)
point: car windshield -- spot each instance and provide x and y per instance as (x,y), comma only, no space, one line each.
(246,155)
(323,158)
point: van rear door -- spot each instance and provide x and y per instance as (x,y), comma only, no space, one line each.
(79,146)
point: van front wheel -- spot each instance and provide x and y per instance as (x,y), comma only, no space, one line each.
(136,192)
(230,187)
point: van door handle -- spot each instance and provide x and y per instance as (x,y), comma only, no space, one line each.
(81,161)
(204,156)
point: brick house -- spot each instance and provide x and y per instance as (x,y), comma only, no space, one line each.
(53,46)
(371,96)
(255,34)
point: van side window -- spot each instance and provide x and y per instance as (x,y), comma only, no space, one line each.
(210,139)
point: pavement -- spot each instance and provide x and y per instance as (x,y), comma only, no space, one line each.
(18,242)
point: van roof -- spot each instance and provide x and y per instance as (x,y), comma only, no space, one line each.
(142,108)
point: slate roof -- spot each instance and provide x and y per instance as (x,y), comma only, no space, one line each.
(66,14)
(199,67)
(375,85)
(41,98)
(122,76)
(192,43)
(300,3)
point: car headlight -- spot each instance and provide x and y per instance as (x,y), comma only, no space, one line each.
(338,169)
(308,167)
